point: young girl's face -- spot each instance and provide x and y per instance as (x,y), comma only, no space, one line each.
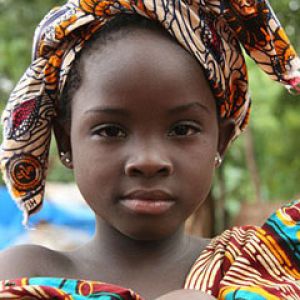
(144,134)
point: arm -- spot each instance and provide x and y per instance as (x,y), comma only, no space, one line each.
(186,294)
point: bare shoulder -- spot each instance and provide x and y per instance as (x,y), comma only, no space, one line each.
(27,261)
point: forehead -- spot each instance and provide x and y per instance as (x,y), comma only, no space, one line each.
(142,65)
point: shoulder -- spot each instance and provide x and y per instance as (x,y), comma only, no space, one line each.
(25,261)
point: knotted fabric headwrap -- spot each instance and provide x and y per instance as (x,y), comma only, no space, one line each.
(211,30)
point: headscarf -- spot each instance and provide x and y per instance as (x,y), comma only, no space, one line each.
(211,30)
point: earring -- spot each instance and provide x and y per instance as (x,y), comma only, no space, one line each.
(66,157)
(218,159)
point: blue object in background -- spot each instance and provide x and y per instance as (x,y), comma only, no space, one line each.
(10,219)
(73,216)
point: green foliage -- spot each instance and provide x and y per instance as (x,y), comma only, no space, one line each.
(18,20)
(276,124)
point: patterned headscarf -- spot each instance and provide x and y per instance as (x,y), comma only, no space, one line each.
(211,30)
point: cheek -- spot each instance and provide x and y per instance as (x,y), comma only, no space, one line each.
(97,171)
(201,174)
(200,158)
(196,175)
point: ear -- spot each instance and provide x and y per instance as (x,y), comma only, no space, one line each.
(226,133)
(63,142)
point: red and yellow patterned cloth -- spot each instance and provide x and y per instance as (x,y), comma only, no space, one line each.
(253,262)
(63,289)
(211,30)
(244,263)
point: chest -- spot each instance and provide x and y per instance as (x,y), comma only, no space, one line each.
(149,278)
(149,281)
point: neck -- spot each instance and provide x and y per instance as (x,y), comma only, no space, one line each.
(109,244)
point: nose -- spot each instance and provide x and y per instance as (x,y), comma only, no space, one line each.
(148,163)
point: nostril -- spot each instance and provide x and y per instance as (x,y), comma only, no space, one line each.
(134,172)
(165,171)
(148,170)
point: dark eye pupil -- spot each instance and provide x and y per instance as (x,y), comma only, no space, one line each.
(181,130)
(112,131)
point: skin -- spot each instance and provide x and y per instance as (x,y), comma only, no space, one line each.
(143,118)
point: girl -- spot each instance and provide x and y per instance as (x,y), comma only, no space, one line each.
(144,98)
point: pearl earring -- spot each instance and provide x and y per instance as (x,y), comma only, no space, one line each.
(66,157)
(218,159)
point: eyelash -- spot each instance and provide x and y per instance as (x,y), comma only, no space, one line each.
(187,125)
(104,127)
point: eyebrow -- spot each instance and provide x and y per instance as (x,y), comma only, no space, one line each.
(108,110)
(184,107)
(123,112)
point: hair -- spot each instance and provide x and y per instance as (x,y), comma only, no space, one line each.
(113,30)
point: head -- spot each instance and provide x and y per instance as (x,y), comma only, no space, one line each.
(137,113)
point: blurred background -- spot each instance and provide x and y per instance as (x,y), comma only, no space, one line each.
(261,171)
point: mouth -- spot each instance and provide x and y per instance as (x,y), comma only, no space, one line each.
(148,202)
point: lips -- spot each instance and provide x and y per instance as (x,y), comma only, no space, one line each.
(148,202)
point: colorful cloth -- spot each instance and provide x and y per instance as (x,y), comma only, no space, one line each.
(211,30)
(63,289)
(253,263)
(244,263)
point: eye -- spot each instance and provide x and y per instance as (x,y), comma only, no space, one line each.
(109,131)
(185,129)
